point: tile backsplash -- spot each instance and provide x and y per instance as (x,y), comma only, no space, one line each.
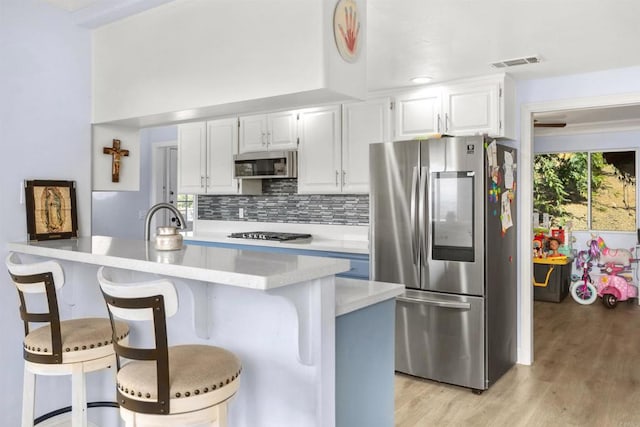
(279,202)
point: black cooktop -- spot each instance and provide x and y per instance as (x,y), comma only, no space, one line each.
(271,235)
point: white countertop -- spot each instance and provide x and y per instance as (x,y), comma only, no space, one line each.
(248,269)
(354,294)
(330,238)
(234,267)
(316,244)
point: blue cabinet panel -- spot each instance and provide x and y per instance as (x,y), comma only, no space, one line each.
(365,363)
(359,262)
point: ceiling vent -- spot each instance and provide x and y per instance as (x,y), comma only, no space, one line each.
(517,61)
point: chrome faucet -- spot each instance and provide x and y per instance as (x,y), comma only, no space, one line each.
(182,224)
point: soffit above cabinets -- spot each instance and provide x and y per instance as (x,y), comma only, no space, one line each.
(450,40)
(94,13)
(453,40)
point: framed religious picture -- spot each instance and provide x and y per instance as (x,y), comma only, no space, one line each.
(51,209)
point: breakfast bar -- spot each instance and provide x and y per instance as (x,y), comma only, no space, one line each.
(277,312)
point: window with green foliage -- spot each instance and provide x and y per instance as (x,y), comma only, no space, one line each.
(185,204)
(594,190)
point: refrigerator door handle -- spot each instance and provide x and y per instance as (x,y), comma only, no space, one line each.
(437,303)
(414,243)
(422,216)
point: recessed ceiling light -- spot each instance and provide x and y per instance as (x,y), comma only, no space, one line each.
(421,79)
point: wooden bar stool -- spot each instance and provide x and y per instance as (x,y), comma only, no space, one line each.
(166,385)
(68,347)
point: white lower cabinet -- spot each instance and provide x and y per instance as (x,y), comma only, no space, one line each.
(205,159)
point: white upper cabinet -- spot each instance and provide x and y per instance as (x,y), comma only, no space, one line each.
(264,132)
(192,152)
(205,159)
(333,156)
(319,153)
(470,109)
(418,113)
(222,144)
(476,106)
(253,133)
(282,130)
(363,123)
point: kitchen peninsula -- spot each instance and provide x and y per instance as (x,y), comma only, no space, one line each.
(277,312)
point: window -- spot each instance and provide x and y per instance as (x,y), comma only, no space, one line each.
(185,204)
(594,190)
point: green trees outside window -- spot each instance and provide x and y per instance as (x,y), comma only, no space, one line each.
(594,190)
(185,204)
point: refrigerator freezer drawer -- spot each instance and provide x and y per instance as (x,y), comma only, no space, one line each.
(441,337)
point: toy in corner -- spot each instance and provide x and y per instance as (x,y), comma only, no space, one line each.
(615,282)
(553,244)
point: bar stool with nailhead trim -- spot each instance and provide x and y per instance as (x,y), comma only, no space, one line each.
(166,385)
(68,347)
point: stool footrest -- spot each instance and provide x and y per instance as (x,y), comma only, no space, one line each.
(56,412)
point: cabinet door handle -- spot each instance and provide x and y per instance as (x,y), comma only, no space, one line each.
(344,178)
(438,124)
(269,138)
(446,122)
(201,181)
(337,175)
(264,139)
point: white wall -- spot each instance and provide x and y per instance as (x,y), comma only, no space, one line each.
(102,176)
(192,54)
(118,213)
(45,106)
(601,83)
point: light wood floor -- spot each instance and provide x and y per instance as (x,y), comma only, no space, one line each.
(586,372)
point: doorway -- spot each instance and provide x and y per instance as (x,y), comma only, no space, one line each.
(525,347)
(164,185)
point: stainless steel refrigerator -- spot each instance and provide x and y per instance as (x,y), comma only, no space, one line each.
(443,223)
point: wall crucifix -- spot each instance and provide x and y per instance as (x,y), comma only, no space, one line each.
(115,153)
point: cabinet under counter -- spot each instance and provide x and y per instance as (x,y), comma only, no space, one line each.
(276,311)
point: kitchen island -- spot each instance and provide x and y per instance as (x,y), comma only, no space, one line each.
(276,312)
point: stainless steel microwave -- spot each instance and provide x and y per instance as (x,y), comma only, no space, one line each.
(266,164)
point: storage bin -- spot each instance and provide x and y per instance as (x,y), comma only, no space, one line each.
(551,278)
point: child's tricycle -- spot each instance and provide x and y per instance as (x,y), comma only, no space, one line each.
(615,284)
(613,288)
